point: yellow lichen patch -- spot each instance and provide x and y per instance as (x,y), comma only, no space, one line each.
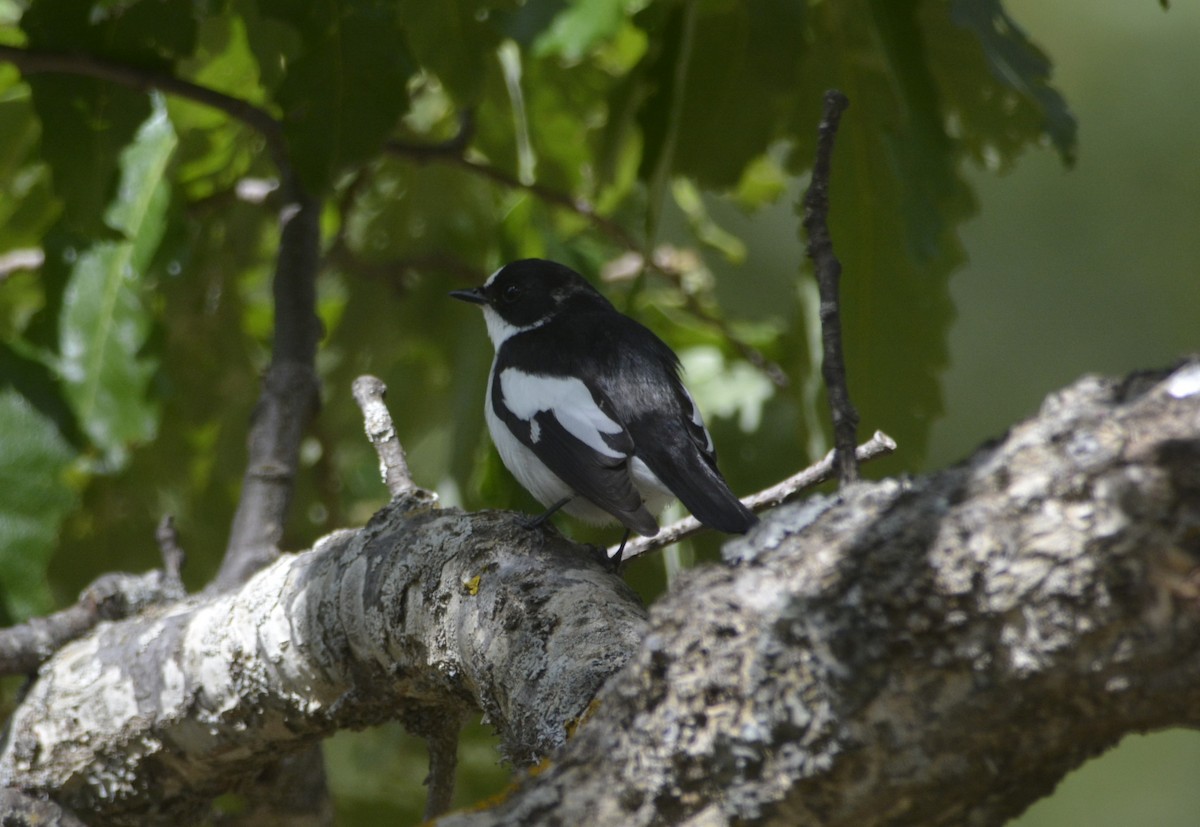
(575,723)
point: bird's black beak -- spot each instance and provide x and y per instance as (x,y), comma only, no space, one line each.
(474,295)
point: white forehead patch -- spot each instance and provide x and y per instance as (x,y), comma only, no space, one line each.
(492,277)
(567,399)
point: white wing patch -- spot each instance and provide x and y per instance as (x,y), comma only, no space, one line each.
(696,418)
(568,399)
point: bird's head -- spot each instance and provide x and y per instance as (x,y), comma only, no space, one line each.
(526,294)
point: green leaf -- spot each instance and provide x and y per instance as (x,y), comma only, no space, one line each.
(26,204)
(34,499)
(689,199)
(763,181)
(897,199)
(346,91)
(1019,64)
(579,27)
(85,125)
(214,149)
(105,322)
(708,74)
(38,385)
(143,33)
(86,122)
(455,40)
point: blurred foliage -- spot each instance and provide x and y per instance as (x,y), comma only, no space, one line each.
(446,139)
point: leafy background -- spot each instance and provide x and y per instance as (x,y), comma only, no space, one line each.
(982,268)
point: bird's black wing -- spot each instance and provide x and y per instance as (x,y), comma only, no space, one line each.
(668,433)
(572,430)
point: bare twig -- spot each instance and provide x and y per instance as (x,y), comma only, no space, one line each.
(109,597)
(377,420)
(172,552)
(452,152)
(828,272)
(878,445)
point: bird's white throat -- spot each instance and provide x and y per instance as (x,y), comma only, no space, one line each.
(500,331)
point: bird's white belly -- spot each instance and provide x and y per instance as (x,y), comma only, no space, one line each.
(548,488)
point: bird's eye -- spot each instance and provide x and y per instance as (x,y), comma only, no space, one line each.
(510,293)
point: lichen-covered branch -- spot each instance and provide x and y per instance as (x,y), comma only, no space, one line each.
(416,616)
(934,652)
(939,651)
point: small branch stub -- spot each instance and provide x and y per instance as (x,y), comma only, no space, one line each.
(369,392)
(828,272)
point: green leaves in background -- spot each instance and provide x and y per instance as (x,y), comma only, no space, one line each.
(1017,63)
(583,123)
(35,497)
(345,86)
(105,321)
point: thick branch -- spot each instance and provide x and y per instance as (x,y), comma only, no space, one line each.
(289,399)
(937,652)
(421,616)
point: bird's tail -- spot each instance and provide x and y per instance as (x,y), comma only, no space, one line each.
(700,487)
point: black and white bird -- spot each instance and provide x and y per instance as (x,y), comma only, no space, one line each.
(586,407)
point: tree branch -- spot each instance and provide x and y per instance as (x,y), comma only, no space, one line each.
(454,152)
(289,400)
(828,272)
(418,615)
(933,652)
(33,61)
(369,392)
(109,597)
(875,657)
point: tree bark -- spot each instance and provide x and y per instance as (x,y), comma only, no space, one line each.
(421,615)
(927,652)
(931,651)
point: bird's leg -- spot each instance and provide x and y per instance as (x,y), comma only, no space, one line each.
(550,512)
(615,560)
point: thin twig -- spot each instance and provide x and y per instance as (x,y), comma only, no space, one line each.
(369,392)
(451,152)
(173,555)
(878,445)
(828,271)
(110,596)
(32,61)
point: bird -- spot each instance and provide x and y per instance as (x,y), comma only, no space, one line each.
(587,410)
